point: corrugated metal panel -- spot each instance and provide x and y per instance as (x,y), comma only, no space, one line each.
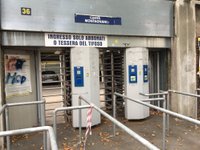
(139,17)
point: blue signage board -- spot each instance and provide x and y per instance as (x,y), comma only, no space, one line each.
(92,19)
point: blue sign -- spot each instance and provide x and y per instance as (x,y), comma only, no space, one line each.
(91,19)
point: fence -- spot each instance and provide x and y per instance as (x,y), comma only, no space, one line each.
(42,116)
(164,113)
(120,125)
(31,130)
(64,109)
(142,102)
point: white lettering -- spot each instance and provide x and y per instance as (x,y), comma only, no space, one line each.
(96,21)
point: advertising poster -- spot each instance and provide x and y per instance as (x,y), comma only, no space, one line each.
(17,75)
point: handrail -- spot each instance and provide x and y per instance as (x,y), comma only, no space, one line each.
(154,94)
(152,99)
(164,99)
(19,104)
(31,130)
(63,109)
(164,94)
(162,110)
(122,126)
(5,106)
(198,89)
(184,93)
(187,94)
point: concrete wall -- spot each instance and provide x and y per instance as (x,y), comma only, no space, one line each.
(183,57)
(198,20)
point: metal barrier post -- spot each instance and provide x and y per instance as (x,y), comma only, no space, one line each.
(7,128)
(32,130)
(5,108)
(165,95)
(43,114)
(47,140)
(168,108)
(164,123)
(42,106)
(114,114)
(64,109)
(80,121)
(55,123)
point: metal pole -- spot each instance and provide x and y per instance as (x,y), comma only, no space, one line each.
(55,123)
(163,110)
(23,103)
(7,128)
(154,94)
(158,75)
(153,99)
(43,113)
(64,109)
(168,108)
(123,127)
(6,107)
(164,124)
(184,93)
(31,130)
(52,138)
(112,76)
(114,114)
(2,109)
(47,140)
(80,121)
(42,106)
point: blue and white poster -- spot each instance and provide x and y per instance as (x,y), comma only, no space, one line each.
(17,75)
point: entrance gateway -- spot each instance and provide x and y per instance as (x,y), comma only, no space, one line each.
(88,47)
(97,72)
(93,71)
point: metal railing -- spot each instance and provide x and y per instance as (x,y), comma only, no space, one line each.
(184,93)
(147,100)
(164,113)
(119,124)
(31,130)
(187,94)
(4,108)
(64,109)
(165,95)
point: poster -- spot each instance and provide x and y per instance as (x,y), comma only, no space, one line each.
(17,75)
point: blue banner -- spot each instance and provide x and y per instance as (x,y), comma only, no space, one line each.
(91,19)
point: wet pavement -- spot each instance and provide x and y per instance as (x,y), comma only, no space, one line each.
(182,136)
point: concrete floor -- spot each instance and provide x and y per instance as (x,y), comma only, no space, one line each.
(182,136)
